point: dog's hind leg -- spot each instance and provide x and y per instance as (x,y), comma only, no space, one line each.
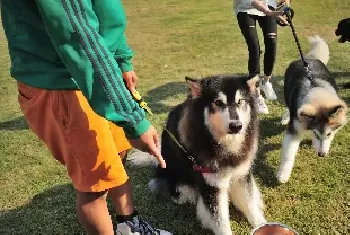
(290,148)
(213,210)
(245,195)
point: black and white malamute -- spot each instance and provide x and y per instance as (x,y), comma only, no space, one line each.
(311,106)
(217,125)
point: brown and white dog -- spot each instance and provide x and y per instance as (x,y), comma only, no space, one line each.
(311,106)
(218,126)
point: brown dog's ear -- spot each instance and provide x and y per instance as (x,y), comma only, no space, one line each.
(195,87)
(307,113)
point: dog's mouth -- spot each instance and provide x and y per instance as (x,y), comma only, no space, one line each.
(321,154)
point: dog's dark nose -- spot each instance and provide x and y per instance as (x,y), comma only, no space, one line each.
(235,127)
(320,154)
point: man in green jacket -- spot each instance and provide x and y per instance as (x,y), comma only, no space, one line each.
(69,58)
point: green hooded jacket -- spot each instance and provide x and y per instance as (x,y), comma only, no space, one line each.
(75,44)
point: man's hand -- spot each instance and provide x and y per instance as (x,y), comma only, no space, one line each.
(149,142)
(131,80)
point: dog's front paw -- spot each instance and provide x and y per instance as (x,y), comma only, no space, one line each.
(285,122)
(261,204)
(224,230)
(285,118)
(258,222)
(283,177)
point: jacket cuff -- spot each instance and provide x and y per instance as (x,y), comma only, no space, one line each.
(137,130)
(125,65)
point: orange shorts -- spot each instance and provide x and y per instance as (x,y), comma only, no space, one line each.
(87,144)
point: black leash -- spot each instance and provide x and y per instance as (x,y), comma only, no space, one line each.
(180,146)
(290,13)
(195,166)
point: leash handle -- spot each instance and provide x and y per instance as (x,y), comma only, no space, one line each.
(286,11)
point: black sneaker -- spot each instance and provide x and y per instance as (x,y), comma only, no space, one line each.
(137,226)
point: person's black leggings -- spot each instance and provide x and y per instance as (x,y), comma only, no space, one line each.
(247,24)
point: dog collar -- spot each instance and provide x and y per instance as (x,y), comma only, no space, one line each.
(202,169)
(197,168)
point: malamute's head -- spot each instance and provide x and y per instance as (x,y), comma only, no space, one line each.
(227,104)
(325,116)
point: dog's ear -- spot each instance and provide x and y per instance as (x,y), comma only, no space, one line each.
(251,81)
(307,113)
(194,86)
(337,110)
(337,115)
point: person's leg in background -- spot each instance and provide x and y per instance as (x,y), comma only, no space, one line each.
(269,28)
(247,24)
(83,142)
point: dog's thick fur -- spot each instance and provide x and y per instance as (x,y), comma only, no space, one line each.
(218,126)
(311,106)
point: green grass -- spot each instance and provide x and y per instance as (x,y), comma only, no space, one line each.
(172,39)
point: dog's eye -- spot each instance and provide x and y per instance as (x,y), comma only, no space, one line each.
(329,134)
(241,102)
(219,103)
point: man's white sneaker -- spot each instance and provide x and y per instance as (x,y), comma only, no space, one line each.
(266,87)
(261,106)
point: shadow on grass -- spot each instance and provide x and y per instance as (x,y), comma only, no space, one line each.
(50,212)
(270,127)
(262,170)
(277,82)
(155,96)
(16,124)
(340,74)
